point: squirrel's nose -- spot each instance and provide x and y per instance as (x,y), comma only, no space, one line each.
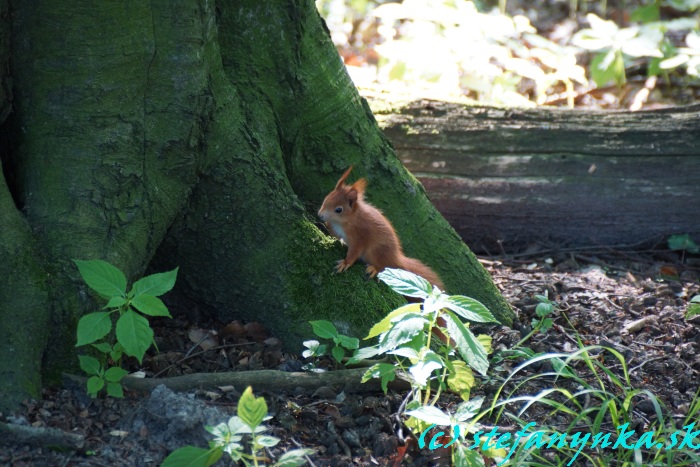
(320,214)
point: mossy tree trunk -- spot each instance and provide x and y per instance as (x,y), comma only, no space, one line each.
(200,134)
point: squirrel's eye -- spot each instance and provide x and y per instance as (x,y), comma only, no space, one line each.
(338,210)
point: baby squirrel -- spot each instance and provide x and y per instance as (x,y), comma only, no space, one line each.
(367,233)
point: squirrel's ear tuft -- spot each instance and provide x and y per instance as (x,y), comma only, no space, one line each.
(343,178)
(360,185)
(351,195)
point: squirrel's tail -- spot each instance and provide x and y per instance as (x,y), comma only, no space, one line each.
(416,267)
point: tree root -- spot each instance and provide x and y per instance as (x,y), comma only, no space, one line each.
(261,380)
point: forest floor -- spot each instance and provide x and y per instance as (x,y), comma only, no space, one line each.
(633,302)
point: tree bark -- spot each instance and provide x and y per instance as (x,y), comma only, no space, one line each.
(204,135)
(554,177)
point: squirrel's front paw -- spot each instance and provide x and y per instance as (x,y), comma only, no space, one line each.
(371,271)
(341,266)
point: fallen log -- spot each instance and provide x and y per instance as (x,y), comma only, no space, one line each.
(515,178)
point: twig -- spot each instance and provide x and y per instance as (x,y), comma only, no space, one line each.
(643,94)
(188,355)
(298,445)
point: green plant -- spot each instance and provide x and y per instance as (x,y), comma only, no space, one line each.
(326,330)
(229,438)
(613,44)
(617,46)
(542,323)
(132,332)
(407,334)
(683,243)
(591,399)
(693,307)
(688,56)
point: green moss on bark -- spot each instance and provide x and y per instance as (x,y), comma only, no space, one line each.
(210,131)
(24,308)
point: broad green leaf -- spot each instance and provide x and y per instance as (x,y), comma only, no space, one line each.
(155,284)
(93,326)
(150,305)
(422,370)
(470,309)
(431,414)
(486,342)
(338,353)
(267,441)
(385,324)
(693,308)
(324,329)
(364,354)
(115,302)
(433,303)
(311,344)
(251,409)
(116,353)
(385,371)
(134,334)
(397,71)
(350,343)
(605,68)
(461,379)
(646,14)
(115,374)
(102,277)
(682,242)
(103,347)
(90,365)
(467,410)
(603,28)
(233,431)
(405,283)
(543,309)
(403,331)
(546,325)
(464,457)
(313,349)
(293,458)
(646,43)
(190,456)
(115,390)
(94,385)
(407,352)
(467,344)
(601,34)
(672,62)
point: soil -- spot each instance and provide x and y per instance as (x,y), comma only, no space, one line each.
(633,302)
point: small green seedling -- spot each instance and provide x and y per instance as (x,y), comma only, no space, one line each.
(132,332)
(326,330)
(542,323)
(683,243)
(229,437)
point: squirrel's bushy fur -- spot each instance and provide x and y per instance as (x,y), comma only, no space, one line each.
(367,232)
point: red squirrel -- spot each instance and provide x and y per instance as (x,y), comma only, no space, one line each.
(367,233)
